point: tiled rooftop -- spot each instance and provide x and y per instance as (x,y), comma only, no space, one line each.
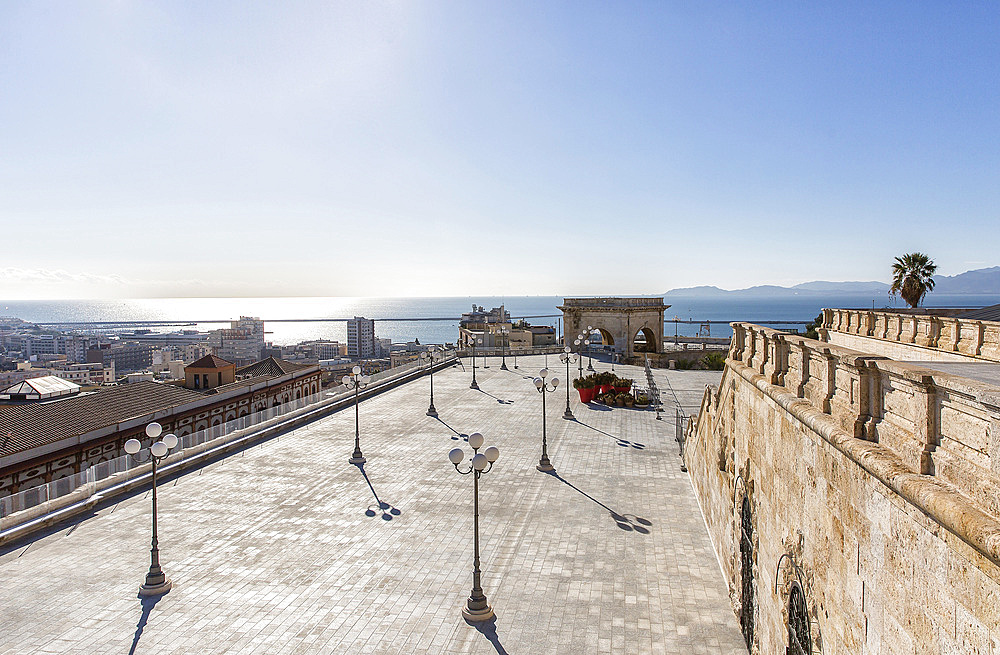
(40,423)
(287,548)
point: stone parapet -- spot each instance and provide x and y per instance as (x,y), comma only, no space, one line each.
(968,337)
(872,485)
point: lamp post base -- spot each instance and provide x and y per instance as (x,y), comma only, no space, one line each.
(545,466)
(432,412)
(156,589)
(503,367)
(568,415)
(590,367)
(474,386)
(477,615)
(357,459)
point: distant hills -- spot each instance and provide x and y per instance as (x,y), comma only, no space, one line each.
(980,281)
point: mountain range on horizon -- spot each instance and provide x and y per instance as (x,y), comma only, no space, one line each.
(983,281)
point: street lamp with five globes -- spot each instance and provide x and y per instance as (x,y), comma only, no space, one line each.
(433,356)
(568,358)
(540,384)
(156,581)
(357,381)
(476,608)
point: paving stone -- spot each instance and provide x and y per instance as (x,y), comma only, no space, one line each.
(287,548)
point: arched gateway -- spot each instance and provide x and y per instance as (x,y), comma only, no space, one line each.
(618,319)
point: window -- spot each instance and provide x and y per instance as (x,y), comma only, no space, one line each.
(799,639)
(747,591)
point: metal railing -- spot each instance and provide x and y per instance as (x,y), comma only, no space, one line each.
(189,444)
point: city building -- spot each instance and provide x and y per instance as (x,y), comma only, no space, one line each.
(85,374)
(241,343)
(209,372)
(361,338)
(45,441)
(125,356)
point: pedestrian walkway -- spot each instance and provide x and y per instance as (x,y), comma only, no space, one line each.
(288,548)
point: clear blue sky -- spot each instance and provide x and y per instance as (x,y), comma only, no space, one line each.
(454,148)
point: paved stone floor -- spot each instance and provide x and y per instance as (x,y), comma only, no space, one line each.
(287,548)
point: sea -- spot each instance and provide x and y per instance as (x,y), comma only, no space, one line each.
(290,320)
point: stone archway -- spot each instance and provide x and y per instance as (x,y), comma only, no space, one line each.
(648,338)
(617,319)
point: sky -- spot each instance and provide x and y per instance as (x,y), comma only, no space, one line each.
(171,149)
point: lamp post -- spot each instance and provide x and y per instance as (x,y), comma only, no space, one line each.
(579,351)
(590,358)
(473,341)
(357,381)
(568,357)
(503,348)
(433,356)
(476,608)
(540,383)
(156,581)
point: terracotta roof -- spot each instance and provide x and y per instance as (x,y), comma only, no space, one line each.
(272,367)
(28,426)
(210,361)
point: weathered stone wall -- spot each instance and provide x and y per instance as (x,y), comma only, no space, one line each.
(872,484)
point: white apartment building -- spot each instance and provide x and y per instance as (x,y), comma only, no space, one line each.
(361,337)
(241,343)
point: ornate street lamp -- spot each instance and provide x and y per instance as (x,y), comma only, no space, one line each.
(579,351)
(543,463)
(473,341)
(156,581)
(568,358)
(476,608)
(590,358)
(434,356)
(359,382)
(503,348)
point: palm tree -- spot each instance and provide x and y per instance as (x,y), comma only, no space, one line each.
(912,277)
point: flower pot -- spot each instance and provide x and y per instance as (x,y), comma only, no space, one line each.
(620,402)
(586,395)
(604,388)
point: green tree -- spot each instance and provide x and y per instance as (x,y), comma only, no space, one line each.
(912,277)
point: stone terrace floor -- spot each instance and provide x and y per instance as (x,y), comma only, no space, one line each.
(284,548)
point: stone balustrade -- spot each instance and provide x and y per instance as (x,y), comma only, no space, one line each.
(613,302)
(937,424)
(968,337)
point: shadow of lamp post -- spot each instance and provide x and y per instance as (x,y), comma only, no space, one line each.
(433,356)
(568,358)
(540,384)
(156,581)
(357,381)
(477,608)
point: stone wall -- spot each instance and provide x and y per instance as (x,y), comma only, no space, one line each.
(872,486)
(967,337)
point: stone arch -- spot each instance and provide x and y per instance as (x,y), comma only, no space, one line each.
(230,415)
(617,320)
(243,412)
(216,421)
(648,344)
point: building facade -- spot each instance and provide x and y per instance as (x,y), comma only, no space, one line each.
(361,338)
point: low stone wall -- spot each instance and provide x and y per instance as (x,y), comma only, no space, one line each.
(871,486)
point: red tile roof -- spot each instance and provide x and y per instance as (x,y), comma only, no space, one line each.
(210,361)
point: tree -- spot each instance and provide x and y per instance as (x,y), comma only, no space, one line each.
(912,277)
